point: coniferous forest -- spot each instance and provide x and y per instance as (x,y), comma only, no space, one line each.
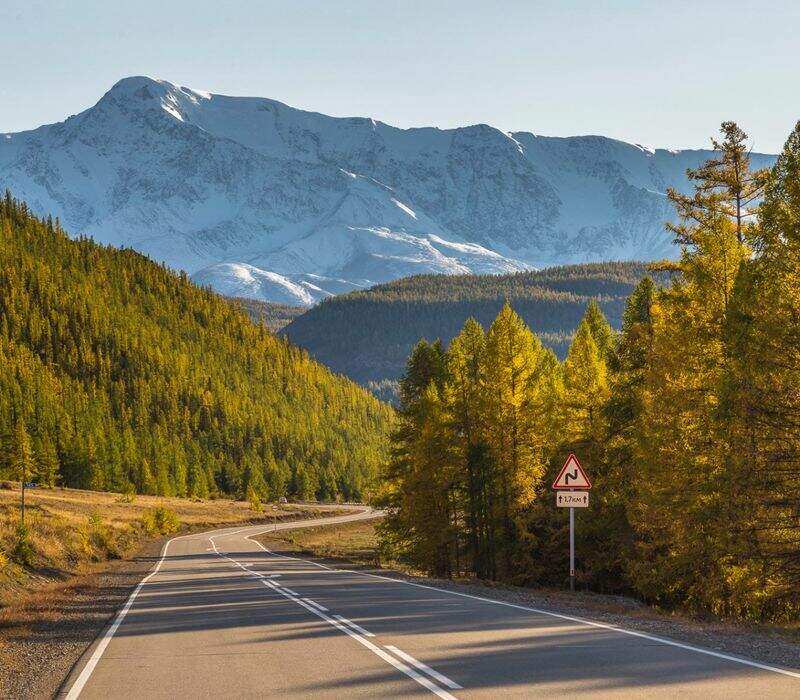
(117,374)
(687,421)
(367,335)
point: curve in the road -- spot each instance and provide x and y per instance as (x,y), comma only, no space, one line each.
(198,630)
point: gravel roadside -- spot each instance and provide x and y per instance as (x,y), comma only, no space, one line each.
(36,657)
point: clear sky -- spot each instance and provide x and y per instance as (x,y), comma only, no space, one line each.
(662,73)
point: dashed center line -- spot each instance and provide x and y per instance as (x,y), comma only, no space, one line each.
(360,634)
(433,673)
(357,628)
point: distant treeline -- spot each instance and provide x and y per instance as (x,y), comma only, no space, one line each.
(273,316)
(117,374)
(688,422)
(367,335)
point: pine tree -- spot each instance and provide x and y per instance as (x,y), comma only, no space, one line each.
(726,187)
(464,393)
(512,371)
(47,463)
(684,446)
(22,459)
(585,387)
(762,401)
(601,331)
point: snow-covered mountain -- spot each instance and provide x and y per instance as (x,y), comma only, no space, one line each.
(255,198)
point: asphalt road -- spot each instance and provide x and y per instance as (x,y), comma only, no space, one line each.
(222,617)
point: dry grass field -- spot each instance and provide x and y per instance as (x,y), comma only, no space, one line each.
(356,541)
(70,532)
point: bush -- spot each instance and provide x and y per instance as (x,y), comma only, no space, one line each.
(102,538)
(255,500)
(23,552)
(160,521)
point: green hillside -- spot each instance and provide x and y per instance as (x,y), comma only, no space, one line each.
(368,335)
(117,374)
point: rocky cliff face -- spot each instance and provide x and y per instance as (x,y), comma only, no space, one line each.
(228,188)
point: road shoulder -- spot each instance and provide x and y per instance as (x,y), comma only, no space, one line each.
(37,657)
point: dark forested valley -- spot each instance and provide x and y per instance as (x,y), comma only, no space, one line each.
(367,335)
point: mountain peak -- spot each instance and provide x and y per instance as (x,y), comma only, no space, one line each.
(277,194)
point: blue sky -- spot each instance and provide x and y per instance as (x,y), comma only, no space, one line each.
(657,73)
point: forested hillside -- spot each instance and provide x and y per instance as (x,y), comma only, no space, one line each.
(367,335)
(688,422)
(117,374)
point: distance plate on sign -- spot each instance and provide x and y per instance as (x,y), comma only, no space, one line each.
(572,499)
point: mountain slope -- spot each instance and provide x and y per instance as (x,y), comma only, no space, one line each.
(129,377)
(194,179)
(368,335)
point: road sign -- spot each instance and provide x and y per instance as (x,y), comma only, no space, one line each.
(572,475)
(569,478)
(572,499)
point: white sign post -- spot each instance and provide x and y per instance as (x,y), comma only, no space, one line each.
(569,480)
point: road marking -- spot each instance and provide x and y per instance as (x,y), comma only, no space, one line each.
(433,673)
(315,604)
(357,628)
(77,687)
(560,616)
(88,669)
(360,637)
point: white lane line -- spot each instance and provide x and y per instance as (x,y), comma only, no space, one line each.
(433,673)
(315,604)
(88,669)
(361,639)
(357,628)
(77,687)
(560,616)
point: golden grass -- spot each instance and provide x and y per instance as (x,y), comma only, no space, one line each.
(72,531)
(356,541)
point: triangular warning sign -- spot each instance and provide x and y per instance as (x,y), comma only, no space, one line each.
(572,475)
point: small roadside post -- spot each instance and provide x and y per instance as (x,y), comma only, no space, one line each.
(572,491)
(274,518)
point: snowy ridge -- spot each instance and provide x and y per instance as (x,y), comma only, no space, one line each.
(256,198)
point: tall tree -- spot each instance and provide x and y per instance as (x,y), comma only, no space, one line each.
(464,393)
(725,186)
(684,449)
(513,362)
(22,460)
(763,400)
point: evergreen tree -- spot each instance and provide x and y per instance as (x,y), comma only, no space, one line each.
(585,388)
(513,362)
(464,394)
(762,402)
(47,464)
(22,459)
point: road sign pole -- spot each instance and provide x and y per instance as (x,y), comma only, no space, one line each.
(573,487)
(572,550)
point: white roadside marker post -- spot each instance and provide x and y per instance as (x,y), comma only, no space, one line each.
(571,477)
